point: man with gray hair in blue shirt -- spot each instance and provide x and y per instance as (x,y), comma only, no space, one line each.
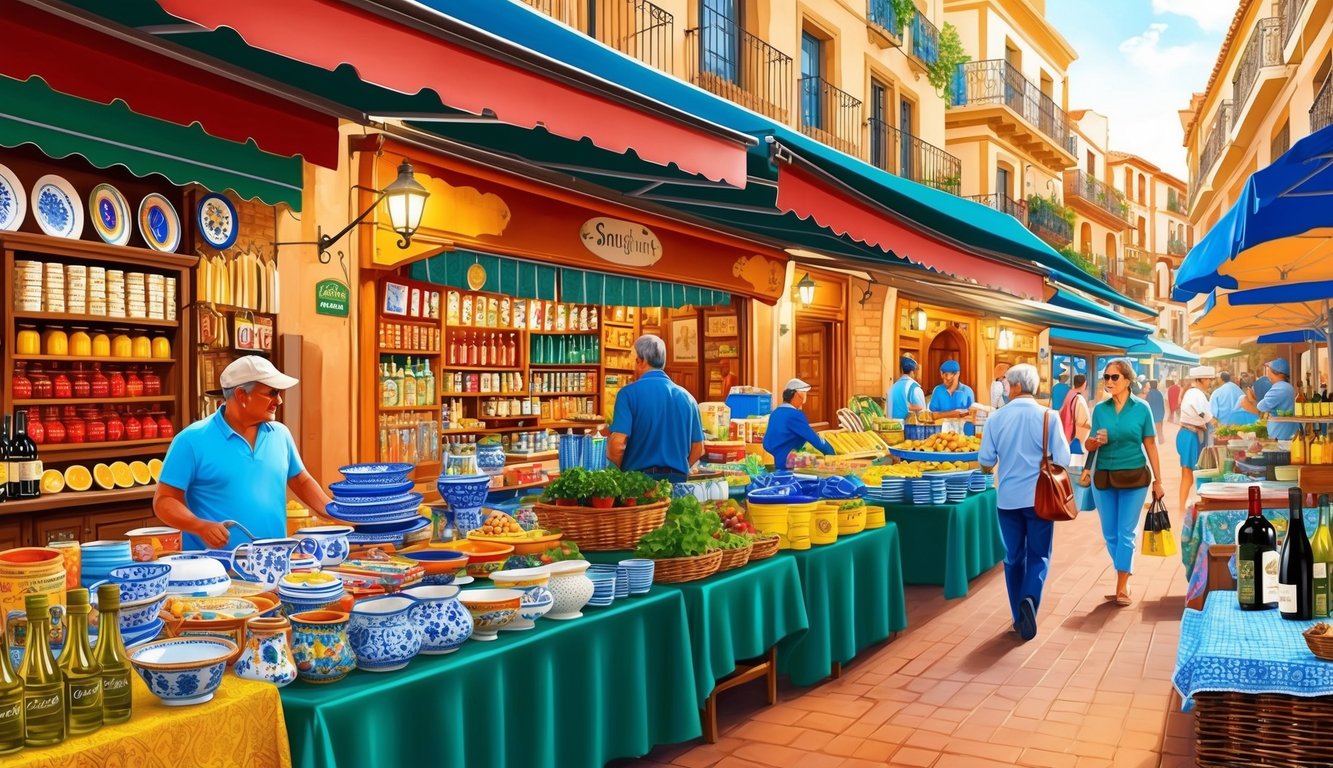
(656,428)
(1013,445)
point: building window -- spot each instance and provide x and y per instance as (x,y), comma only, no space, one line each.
(1143,189)
(1281,141)
(812,72)
(879,124)
(906,124)
(720,41)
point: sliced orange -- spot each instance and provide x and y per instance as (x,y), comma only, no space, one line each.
(155,468)
(102,474)
(140,472)
(121,474)
(78,478)
(52,481)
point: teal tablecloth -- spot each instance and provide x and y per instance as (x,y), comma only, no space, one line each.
(736,615)
(968,530)
(854,598)
(568,693)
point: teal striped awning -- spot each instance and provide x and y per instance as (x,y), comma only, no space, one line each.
(512,277)
(582,287)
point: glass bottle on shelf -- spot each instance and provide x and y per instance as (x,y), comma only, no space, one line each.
(116,382)
(75,431)
(147,426)
(55,341)
(21,385)
(152,383)
(112,659)
(409,384)
(473,354)
(55,428)
(161,348)
(495,352)
(512,350)
(78,668)
(121,344)
(11,704)
(41,383)
(115,427)
(36,433)
(82,387)
(61,387)
(133,429)
(93,425)
(133,383)
(43,688)
(484,354)
(28,341)
(101,345)
(141,347)
(80,343)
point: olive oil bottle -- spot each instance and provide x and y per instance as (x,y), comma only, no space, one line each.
(83,678)
(112,659)
(11,704)
(43,687)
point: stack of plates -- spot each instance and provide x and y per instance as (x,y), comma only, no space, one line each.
(619,571)
(377,499)
(309,592)
(55,287)
(115,293)
(99,558)
(97,291)
(955,483)
(603,587)
(928,490)
(157,296)
(977,482)
(893,490)
(136,299)
(640,574)
(27,286)
(76,289)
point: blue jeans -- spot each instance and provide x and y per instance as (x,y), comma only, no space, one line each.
(1121,510)
(1027,554)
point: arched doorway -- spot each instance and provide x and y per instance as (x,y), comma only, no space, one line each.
(948,345)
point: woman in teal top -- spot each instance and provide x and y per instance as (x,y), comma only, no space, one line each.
(1123,444)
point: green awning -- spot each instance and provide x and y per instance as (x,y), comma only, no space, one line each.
(111,134)
(512,277)
(582,287)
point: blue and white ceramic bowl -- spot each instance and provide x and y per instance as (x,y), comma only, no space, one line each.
(196,575)
(603,587)
(444,622)
(141,580)
(640,574)
(398,534)
(382,633)
(377,474)
(183,670)
(349,488)
(442,565)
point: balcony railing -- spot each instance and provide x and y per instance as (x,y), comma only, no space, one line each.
(1099,193)
(1264,49)
(1005,204)
(882,15)
(1291,13)
(1216,142)
(637,28)
(925,39)
(830,114)
(908,156)
(736,65)
(1177,248)
(1321,113)
(1049,225)
(997,82)
(1138,264)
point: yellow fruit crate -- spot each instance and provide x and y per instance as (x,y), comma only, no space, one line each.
(855,444)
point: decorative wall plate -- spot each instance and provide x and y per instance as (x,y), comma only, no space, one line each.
(217,221)
(159,224)
(13,201)
(476,277)
(57,207)
(110,214)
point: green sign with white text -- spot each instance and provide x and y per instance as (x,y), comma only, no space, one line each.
(331,298)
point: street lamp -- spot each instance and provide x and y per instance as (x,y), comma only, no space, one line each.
(806,289)
(406,199)
(1006,338)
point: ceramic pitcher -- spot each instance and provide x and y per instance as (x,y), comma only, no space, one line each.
(382,633)
(266,561)
(266,655)
(321,647)
(444,622)
(326,543)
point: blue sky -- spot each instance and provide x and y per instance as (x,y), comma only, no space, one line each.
(1139,61)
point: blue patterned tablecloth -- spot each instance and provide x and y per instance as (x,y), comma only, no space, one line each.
(1223,648)
(1203,529)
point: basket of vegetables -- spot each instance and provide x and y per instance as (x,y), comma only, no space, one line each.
(685,547)
(735,550)
(764,547)
(604,510)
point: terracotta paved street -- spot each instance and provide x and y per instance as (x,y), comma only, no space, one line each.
(959,689)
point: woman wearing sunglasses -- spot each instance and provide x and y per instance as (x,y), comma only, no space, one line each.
(1121,452)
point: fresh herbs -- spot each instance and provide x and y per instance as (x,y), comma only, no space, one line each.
(687,532)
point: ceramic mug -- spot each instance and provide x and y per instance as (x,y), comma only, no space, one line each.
(147,544)
(266,561)
(326,543)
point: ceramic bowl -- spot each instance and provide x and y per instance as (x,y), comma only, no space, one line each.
(382,633)
(491,609)
(537,602)
(483,557)
(571,588)
(183,671)
(214,608)
(528,543)
(444,622)
(140,580)
(376,474)
(196,576)
(441,565)
(515,578)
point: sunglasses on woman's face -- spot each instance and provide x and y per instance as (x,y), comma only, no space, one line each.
(1110,377)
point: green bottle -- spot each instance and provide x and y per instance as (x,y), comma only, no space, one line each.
(11,704)
(83,678)
(43,687)
(112,658)
(1321,546)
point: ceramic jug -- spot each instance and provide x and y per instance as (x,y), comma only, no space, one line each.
(326,543)
(444,622)
(266,561)
(382,633)
(320,646)
(266,655)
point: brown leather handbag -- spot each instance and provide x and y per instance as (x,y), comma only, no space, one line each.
(1054,499)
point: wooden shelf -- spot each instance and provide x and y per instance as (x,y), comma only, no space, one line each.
(69,319)
(592,332)
(566,366)
(409,407)
(71,499)
(618,323)
(46,449)
(520,417)
(406,319)
(412,352)
(524,487)
(95,400)
(564,394)
(480,368)
(483,394)
(74,359)
(519,458)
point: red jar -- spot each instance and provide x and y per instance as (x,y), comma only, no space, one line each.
(41,384)
(55,430)
(96,429)
(152,383)
(61,386)
(115,428)
(133,429)
(36,429)
(148,426)
(133,384)
(82,386)
(22,385)
(75,431)
(117,384)
(101,385)
(164,427)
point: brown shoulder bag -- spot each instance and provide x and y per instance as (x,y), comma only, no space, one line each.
(1054,499)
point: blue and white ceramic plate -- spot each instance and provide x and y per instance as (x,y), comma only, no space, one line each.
(110,214)
(57,206)
(159,224)
(387,533)
(216,218)
(13,202)
(387,516)
(350,489)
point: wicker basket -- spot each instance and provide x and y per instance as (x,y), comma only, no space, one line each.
(1321,645)
(764,548)
(735,558)
(1243,730)
(603,530)
(674,570)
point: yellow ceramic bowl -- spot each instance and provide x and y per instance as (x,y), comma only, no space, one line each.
(483,557)
(532,542)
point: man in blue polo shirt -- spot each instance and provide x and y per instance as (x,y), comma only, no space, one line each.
(656,429)
(952,399)
(236,465)
(1280,398)
(906,395)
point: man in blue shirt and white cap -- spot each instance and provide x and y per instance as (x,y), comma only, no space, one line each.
(952,399)
(788,428)
(906,395)
(1281,397)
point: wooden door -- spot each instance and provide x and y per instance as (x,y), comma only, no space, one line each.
(814,350)
(949,345)
(684,351)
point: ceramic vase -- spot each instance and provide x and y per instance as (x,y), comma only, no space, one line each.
(321,647)
(570,587)
(444,622)
(465,494)
(491,458)
(382,633)
(266,655)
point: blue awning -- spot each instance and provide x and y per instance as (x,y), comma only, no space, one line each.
(1095,338)
(1291,337)
(1063,298)
(1166,350)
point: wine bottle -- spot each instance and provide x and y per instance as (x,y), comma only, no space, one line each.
(113,661)
(4,459)
(1322,546)
(43,687)
(83,679)
(11,704)
(1295,572)
(1256,558)
(23,461)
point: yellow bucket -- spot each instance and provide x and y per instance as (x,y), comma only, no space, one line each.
(824,525)
(31,571)
(874,517)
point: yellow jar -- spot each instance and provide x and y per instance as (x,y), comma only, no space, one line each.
(121,346)
(101,345)
(142,347)
(80,344)
(161,348)
(28,341)
(55,342)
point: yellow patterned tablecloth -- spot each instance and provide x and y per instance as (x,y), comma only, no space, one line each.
(241,727)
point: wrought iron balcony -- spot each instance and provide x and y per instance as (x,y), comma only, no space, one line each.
(1321,113)
(996,81)
(925,39)
(881,14)
(732,63)
(637,28)
(903,154)
(1047,223)
(1291,13)
(830,115)
(1215,143)
(1004,204)
(1082,186)
(1139,264)
(1264,49)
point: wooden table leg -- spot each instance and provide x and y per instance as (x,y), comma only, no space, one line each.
(772,675)
(767,669)
(837,670)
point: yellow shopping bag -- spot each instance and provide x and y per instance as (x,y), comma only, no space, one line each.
(1157,538)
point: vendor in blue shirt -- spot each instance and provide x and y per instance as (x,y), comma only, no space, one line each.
(952,400)
(1280,397)
(906,395)
(789,429)
(237,464)
(656,429)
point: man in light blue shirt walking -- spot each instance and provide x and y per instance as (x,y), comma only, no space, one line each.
(1013,446)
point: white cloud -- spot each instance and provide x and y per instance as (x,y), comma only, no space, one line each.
(1210,15)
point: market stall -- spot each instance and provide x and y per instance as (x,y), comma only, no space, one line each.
(970,531)
(1213,522)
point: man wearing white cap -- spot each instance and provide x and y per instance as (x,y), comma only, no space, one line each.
(789,429)
(1195,417)
(236,465)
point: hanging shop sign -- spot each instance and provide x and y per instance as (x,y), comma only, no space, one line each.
(332,297)
(621,242)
